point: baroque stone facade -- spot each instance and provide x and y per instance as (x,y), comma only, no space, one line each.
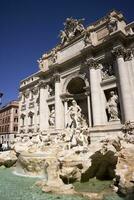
(86,80)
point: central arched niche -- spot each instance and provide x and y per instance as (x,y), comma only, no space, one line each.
(76,86)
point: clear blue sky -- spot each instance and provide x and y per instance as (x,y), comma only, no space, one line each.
(28,28)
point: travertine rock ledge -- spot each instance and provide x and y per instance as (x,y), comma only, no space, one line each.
(8,158)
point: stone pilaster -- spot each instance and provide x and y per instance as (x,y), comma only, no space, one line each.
(65,111)
(59,108)
(43,107)
(126,98)
(36,122)
(19,113)
(26,104)
(132,70)
(98,109)
(11,120)
(87,93)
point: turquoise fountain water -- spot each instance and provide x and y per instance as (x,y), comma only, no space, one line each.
(14,187)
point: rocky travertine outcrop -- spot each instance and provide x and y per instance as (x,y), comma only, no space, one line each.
(69,157)
(125,170)
(125,166)
(8,158)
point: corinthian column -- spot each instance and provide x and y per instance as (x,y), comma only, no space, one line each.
(130,64)
(98,109)
(59,109)
(126,99)
(43,106)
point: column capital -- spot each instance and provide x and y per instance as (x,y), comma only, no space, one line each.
(128,54)
(92,63)
(42,84)
(118,52)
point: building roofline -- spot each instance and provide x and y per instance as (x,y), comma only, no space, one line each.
(34,74)
(10,104)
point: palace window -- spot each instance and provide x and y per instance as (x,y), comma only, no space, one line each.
(22,119)
(16,119)
(15,128)
(31,115)
(31,95)
(16,111)
(8,120)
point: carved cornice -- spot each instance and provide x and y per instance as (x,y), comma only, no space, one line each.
(92,63)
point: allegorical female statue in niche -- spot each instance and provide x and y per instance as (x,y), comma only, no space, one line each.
(74,115)
(52,117)
(112,106)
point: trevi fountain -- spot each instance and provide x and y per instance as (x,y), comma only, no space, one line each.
(76,130)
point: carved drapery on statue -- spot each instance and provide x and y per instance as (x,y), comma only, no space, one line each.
(112,107)
(72,28)
(51,119)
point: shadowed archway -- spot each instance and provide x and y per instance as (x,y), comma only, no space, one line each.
(76,86)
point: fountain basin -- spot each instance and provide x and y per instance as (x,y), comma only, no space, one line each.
(32,164)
